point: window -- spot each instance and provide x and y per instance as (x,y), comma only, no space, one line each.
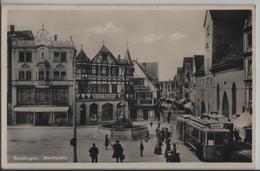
(95,88)
(56,75)
(21,56)
(60,95)
(104,88)
(93,70)
(249,39)
(63,75)
(28,56)
(115,71)
(21,75)
(25,56)
(28,75)
(63,57)
(104,71)
(83,87)
(56,57)
(249,67)
(114,88)
(43,96)
(41,75)
(47,75)
(25,95)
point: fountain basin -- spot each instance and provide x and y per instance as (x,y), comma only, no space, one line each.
(136,132)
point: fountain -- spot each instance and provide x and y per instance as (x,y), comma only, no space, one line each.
(122,129)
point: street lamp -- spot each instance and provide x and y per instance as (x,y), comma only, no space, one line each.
(73,141)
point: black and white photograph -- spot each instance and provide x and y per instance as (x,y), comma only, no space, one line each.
(128,85)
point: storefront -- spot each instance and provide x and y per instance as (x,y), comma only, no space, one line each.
(39,115)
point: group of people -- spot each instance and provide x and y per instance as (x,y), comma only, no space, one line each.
(118,151)
(163,135)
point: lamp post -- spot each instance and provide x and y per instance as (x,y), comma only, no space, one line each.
(74,139)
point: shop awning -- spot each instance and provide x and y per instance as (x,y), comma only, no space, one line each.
(41,109)
(242,121)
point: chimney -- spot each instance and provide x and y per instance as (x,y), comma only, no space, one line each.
(55,37)
(119,57)
(12,29)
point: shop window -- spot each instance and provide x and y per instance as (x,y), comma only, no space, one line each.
(25,95)
(24,118)
(43,96)
(60,95)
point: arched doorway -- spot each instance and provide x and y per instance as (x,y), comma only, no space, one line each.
(93,112)
(234,99)
(203,107)
(218,100)
(107,112)
(225,105)
(83,114)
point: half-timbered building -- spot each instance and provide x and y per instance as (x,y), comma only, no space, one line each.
(103,86)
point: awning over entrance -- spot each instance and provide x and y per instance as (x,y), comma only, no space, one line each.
(41,109)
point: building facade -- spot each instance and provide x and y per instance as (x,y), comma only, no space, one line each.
(104,88)
(146,94)
(224,47)
(42,79)
(198,89)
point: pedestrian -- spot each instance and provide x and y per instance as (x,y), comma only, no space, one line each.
(168,147)
(93,153)
(118,152)
(106,141)
(167,134)
(141,148)
(174,149)
(159,125)
(158,147)
(147,135)
(162,134)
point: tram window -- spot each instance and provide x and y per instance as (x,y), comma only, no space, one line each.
(219,138)
(195,133)
(210,139)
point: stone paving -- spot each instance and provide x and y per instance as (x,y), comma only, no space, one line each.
(52,144)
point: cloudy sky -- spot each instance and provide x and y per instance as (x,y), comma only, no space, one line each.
(163,36)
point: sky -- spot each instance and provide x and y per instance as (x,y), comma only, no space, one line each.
(163,36)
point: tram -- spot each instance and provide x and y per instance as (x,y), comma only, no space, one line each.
(208,137)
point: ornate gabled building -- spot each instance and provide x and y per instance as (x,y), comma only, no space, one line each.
(103,86)
(42,79)
(146,94)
